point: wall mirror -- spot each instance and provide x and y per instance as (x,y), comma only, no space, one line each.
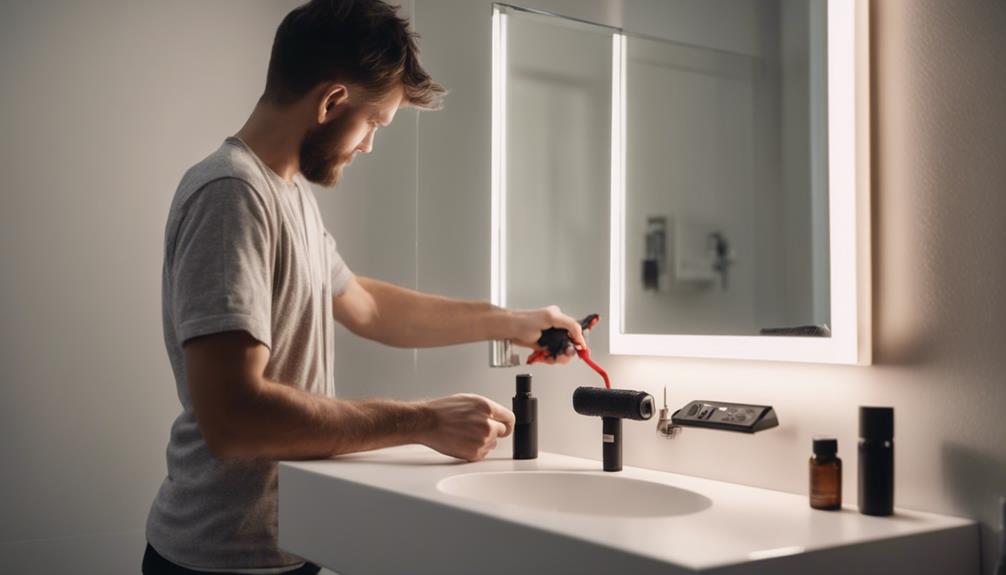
(709,182)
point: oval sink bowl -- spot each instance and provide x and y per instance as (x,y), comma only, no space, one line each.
(573,492)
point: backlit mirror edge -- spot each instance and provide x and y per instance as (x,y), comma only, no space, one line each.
(850,251)
(497,258)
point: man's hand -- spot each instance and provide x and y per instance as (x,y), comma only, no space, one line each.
(530,323)
(466,426)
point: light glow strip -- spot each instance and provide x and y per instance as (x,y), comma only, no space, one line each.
(498,259)
(617,192)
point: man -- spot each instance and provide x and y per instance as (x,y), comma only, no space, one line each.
(252,286)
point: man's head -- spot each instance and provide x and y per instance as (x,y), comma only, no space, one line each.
(348,65)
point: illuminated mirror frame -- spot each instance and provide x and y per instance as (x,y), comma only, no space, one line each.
(848,195)
(497,225)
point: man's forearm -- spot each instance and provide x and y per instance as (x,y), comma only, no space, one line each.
(281,422)
(408,318)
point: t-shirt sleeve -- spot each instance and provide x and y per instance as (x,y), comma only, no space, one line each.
(339,272)
(222,268)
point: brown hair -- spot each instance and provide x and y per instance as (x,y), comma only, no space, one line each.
(360,41)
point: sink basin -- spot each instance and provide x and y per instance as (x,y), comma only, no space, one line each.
(576,492)
(412,510)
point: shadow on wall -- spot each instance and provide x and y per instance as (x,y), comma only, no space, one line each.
(935,197)
(967,471)
(899,337)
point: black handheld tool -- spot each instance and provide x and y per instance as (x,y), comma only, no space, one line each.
(612,405)
(555,340)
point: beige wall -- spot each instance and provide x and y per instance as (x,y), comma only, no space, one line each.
(104,105)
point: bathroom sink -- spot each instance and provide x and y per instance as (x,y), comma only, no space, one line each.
(411,510)
(585,492)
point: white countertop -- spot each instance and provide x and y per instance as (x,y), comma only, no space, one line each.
(744,524)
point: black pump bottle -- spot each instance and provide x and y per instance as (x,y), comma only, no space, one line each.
(525,410)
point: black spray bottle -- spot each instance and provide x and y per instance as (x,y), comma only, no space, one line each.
(525,410)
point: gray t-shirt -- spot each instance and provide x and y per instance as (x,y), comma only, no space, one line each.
(243,250)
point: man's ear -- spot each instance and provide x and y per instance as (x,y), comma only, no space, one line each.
(332,97)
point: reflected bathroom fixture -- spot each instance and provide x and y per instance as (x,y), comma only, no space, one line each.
(723,256)
(503,354)
(655,263)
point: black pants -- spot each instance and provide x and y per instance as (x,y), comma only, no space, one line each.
(154,564)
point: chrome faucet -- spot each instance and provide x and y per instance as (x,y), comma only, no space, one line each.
(665,427)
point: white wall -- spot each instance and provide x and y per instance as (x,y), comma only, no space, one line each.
(104,105)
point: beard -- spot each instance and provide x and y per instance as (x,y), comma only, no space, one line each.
(320,161)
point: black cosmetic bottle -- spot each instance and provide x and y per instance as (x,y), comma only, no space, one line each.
(876,460)
(525,410)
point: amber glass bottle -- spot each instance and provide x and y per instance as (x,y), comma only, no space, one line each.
(825,475)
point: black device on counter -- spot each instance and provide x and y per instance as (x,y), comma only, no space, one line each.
(876,460)
(726,416)
(525,411)
(612,405)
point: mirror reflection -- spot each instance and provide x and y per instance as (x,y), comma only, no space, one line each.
(558,90)
(726,191)
(726,168)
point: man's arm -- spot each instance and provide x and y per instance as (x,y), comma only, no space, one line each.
(402,317)
(243,415)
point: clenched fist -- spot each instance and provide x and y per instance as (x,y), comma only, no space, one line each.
(466,425)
